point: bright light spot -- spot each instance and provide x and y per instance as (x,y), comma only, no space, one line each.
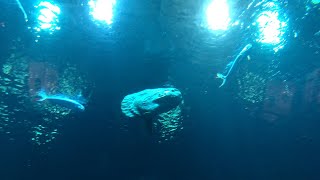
(48,17)
(218,15)
(315,1)
(102,10)
(271,28)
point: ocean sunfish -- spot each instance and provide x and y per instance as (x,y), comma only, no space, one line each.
(149,103)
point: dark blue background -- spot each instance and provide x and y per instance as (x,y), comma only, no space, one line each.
(221,140)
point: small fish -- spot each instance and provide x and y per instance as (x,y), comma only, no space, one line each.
(230,66)
(61,100)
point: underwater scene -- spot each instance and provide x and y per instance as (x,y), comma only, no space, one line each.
(160,89)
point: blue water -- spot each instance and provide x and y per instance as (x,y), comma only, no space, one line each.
(262,124)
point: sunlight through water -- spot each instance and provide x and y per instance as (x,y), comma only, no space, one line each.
(102,10)
(48,17)
(218,15)
(315,1)
(271,26)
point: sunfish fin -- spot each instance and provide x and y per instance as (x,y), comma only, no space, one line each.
(42,95)
(223,77)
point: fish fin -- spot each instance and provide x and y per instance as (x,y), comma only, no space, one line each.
(220,76)
(42,95)
(229,65)
(223,77)
(223,82)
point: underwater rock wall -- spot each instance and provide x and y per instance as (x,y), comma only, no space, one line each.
(20,80)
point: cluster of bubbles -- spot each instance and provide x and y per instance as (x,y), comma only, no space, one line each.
(13,92)
(6,121)
(168,125)
(20,112)
(69,83)
(251,87)
(43,134)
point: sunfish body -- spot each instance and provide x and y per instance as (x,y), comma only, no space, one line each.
(61,100)
(149,103)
